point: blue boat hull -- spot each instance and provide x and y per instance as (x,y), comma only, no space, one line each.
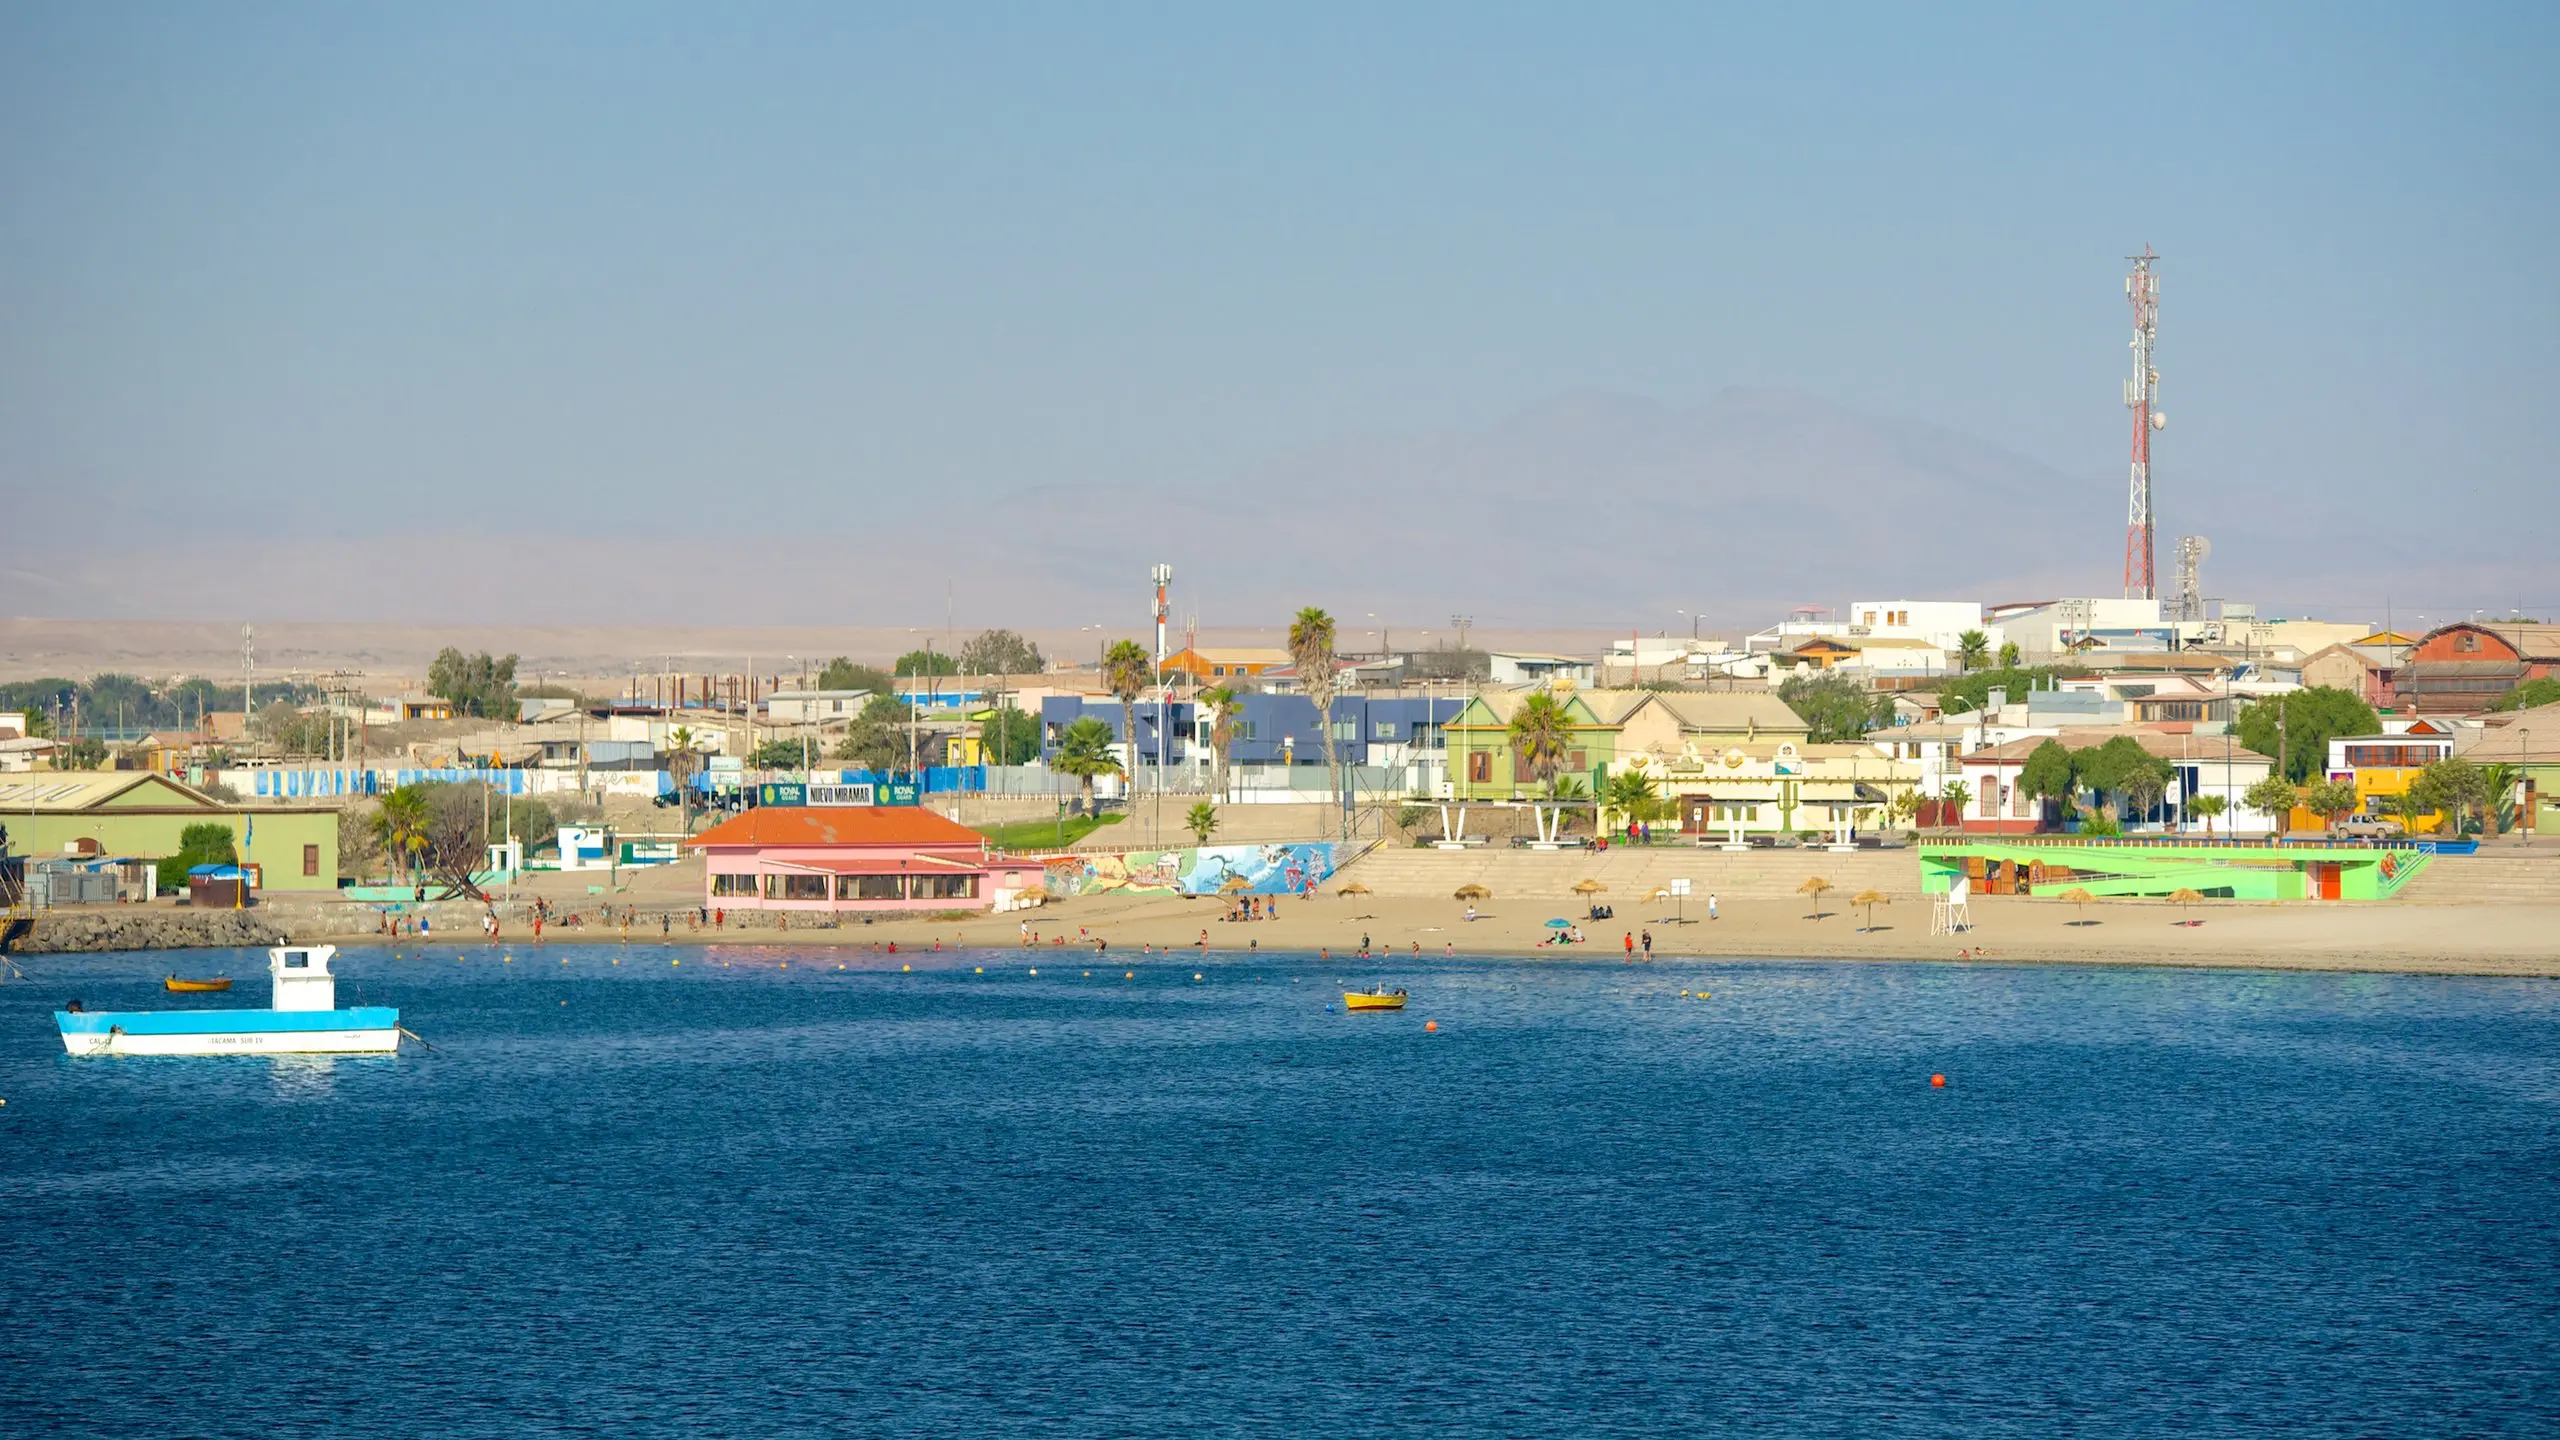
(366,1030)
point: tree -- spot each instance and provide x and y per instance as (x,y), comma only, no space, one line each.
(1202,822)
(1126,673)
(2009,655)
(2099,822)
(843,674)
(2122,770)
(683,761)
(2297,727)
(775,755)
(359,844)
(2273,797)
(1007,735)
(1540,731)
(2542,690)
(2048,775)
(926,662)
(478,684)
(1957,796)
(1000,652)
(1631,793)
(1972,692)
(2206,808)
(1311,651)
(2331,799)
(205,843)
(86,753)
(1084,752)
(1973,648)
(2461,790)
(1220,701)
(401,824)
(875,740)
(1835,709)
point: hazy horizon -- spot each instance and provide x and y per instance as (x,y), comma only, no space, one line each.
(804,315)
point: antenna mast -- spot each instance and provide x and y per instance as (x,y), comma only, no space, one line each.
(2142,396)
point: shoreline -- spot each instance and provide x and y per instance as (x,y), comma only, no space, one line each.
(2512,941)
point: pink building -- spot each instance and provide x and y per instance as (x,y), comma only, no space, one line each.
(859,859)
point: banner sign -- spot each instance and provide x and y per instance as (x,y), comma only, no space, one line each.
(782,793)
(841,794)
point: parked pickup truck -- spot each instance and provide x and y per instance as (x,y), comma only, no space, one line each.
(2365,827)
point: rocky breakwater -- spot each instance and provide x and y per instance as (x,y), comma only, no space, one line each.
(141,927)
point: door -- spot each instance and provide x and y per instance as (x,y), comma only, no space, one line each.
(2328,875)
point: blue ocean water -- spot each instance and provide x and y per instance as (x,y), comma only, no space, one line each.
(731,1198)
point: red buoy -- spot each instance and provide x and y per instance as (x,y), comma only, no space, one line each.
(1431,1025)
(1939,1081)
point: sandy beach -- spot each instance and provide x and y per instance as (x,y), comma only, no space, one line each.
(2512,939)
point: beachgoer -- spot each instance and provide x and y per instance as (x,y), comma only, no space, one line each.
(1471,912)
(1631,945)
(1648,944)
(1711,906)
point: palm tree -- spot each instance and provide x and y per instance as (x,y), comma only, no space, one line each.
(1631,794)
(1202,822)
(1955,793)
(2205,808)
(1540,730)
(2009,655)
(1311,651)
(1084,751)
(682,761)
(1221,700)
(1126,672)
(1972,649)
(402,827)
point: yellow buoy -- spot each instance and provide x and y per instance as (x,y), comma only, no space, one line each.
(1195,974)
(1132,975)
(981,970)
(903,969)
(1035,969)
(675,962)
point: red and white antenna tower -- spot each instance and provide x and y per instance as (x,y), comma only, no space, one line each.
(2142,397)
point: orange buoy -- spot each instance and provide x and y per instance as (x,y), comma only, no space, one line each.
(1940,1081)
(1431,1025)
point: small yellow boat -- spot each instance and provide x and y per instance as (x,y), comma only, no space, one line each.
(1379,999)
(196,987)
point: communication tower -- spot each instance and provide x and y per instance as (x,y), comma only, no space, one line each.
(2192,550)
(2142,397)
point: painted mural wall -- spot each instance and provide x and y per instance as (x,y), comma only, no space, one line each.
(1205,870)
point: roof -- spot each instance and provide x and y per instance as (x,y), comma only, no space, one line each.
(839,825)
(60,792)
(2533,640)
(1247,655)
(878,864)
(2161,744)
(1729,710)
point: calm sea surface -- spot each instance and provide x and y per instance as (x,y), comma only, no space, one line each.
(655,1199)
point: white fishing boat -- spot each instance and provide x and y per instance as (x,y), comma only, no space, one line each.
(303,1019)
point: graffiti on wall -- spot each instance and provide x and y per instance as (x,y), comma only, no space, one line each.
(1206,870)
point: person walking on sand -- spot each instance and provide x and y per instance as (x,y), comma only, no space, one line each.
(1631,944)
(1711,905)
(1648,945)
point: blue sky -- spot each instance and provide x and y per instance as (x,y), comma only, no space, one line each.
(848,264)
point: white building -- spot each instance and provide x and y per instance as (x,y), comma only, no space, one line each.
(813,707)
(1524,667)
(1938,624)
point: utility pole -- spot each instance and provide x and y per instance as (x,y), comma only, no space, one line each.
(2142,396)
(1163,576)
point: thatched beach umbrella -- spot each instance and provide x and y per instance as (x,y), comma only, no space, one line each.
(1354,888)
(1473,891)
(1871,899)
(2184,899)
(1814,887)
(1589,887)
(2081,898)
(1034,893)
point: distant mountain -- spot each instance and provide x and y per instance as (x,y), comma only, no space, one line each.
(1599,508)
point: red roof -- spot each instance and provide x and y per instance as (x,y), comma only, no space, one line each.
(839,825)
(880,864)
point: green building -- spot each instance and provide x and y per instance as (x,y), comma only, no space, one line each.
(136,813)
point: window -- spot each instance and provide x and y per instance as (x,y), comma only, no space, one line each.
(1480,767)
(795,887)
(2021,804)
(1218,670)
(1993,797)
(733,885)
(1577,760)
(1244,730)
(1346,730)
(2393,757)
(2466,641)
(869,887)
(310,859)
(1385,730)
(943,887)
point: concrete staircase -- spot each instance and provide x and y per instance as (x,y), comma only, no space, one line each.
(2491,879)
(1633,873)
